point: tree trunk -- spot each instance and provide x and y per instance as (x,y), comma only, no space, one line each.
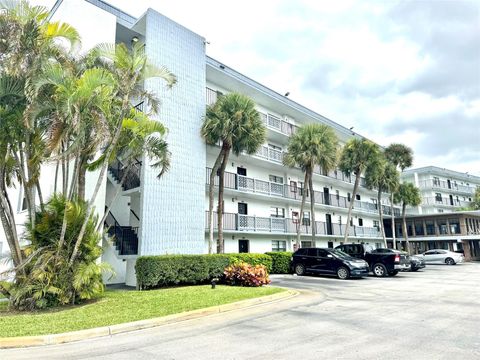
(312,205)
(211,187)
(8,223)
(108,154)
(221,186)
(393,221)
(81,180)
(302,207)
(56,177)
(39,192)
(404,226)
(380,216)
(352,201)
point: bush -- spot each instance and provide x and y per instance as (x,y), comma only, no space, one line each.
(244,274)
(280,262)
(46,278)
(165,270)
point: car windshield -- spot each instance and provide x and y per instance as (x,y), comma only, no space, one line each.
(341,254)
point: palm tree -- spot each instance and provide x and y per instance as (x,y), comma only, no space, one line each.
(355,158)
(235,123)
(129,69)
(32,44)
(401,157)
(408,195)
(311,145)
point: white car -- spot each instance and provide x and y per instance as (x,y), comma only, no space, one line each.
(440,256)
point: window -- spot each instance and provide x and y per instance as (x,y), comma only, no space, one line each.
(293,186)
(337,194)
(374,202)
(322,253)
(295,217)
(306,244)
(277,212)
(419,228)
(241,171)
(454,226)
(376,224)
(360,222)
(349,197)
(275,179)
(279,245)
(306,218)
(351,222)
(301,251)
(442,226)
(330,244)
(358,197)
(438,197)
(242,208)
(430,225)
(436,181)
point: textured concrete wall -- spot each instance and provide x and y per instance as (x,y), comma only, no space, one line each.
(172,208)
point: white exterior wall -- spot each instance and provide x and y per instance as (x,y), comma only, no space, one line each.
(170,206)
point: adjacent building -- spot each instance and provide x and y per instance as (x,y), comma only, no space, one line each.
(442,190)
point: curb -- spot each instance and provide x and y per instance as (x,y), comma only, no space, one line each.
(53,339)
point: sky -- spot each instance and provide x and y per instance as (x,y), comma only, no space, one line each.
(397,71)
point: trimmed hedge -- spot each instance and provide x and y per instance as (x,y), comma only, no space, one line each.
(280,262)
(166,270)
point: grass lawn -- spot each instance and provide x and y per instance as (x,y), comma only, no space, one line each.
(120,306)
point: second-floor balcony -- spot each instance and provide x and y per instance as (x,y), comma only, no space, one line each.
(248,223)
(293,192)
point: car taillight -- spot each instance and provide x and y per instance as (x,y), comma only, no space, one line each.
(397,258)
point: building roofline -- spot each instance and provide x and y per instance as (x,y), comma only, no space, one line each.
(441,171)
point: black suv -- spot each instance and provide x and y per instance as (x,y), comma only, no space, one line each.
(327,261)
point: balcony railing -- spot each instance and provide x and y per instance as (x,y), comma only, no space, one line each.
(251,185)
(442,184)
(275,123)
(247,223)
(444,201)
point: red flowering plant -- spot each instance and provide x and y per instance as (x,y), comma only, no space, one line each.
(243,274)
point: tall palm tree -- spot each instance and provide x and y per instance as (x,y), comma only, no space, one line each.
(355,158)
(311,145)
(407,195)
(235,123)
(401,157)
(32,44)
(129,69)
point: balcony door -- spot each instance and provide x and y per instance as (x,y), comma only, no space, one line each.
(328,218)
(326,196)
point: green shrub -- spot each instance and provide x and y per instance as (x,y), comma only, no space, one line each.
(244,274)
(280,262)
(165,270)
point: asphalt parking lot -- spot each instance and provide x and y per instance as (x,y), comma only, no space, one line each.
(430,314)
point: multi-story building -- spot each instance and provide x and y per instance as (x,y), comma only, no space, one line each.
(442,190)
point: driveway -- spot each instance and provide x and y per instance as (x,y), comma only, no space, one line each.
(431,314)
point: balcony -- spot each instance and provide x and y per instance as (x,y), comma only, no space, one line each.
(444,201)
(275,123)
(251,185)
(448,185)
(252,224)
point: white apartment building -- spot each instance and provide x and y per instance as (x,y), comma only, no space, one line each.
(442,190)
(262,197)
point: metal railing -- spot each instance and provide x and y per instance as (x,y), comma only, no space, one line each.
(132,178)
(125,237)
(444,201)
(248,223)
(442,184)
(252,185)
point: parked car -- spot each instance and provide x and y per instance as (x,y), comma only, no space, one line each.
(440,256)
(416,262)
(382,262)
(327,261)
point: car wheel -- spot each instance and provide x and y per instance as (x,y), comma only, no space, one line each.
(393,273)
(343,273)
(300,269)
(449,261)
(379,270)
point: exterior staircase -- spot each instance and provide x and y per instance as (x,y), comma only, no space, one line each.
(132,179)
(125,238)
